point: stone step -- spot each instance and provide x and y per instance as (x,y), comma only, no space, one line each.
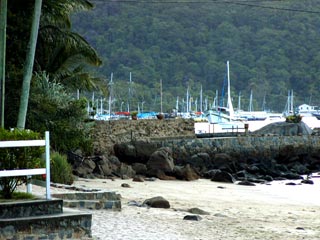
(71,224)
(98,195)
(93,204)
(29,208)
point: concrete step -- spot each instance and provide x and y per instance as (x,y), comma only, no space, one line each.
(29,208)
(91,200)
(71,224)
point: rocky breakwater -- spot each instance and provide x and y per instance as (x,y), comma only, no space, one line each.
(259,157)
(109,133)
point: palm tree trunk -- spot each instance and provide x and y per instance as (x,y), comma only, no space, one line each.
(3,35)
(24,98)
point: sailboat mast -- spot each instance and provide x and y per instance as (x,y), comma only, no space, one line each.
(110,94)
(187,101)
(239,101)
(250,103)
(231,111)
(161,96)
(201,99)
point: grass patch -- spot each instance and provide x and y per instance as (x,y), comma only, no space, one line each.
(18,196)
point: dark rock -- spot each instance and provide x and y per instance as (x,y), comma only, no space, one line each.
(126,152)
(89,164)
(144,151)
(140,168)
(300,228)
(198,211)
(246,183)
(125,185)
(253,169)
(221,176)
(103,167)
(192,217)
(114,160)
(138,179)
(125,171)
(307,181)
(291,184)
(185,173)
(291,176)
(85,168)
(200,161)
(223,161)
(161,160)
(157,202)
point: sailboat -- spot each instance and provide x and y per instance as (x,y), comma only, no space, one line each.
(252,115)
(225,117)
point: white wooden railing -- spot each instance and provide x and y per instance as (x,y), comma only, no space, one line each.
(30,172)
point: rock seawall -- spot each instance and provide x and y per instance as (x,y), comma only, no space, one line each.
(169,149)
(108,133)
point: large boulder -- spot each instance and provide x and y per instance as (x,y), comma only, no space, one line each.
(85,168)
(161,160)
(135,151)
(223,161)
(185,173)
(157,202)
(216,175)
(201,162)
(125,171)
(126,152)
(285,129)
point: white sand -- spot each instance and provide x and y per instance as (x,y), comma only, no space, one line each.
(275,211)
(236,212)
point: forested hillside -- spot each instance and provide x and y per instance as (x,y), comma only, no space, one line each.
(272,46)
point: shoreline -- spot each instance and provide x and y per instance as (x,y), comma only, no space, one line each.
(274,211)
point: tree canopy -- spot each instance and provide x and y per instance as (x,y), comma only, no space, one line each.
(272,46)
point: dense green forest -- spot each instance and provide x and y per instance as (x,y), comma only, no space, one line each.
(272,46)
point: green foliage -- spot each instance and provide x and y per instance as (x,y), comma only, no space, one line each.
(18,158)
(62,60)
(294,119)
(61,170)
(18,196)
(188,44)
(134,113)
(53,109)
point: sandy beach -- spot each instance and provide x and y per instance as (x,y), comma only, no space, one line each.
(265,211)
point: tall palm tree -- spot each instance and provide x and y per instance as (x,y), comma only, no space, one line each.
(24,99)
(62,54)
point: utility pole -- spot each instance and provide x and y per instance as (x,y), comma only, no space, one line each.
(3,36)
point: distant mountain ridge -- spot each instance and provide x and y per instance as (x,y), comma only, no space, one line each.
(271,50)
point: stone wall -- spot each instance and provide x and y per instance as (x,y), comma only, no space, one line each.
(108,133)
(261,147)
(179,135)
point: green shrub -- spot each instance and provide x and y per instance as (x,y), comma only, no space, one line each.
(18,158)
(19,196)
(294,119)
(52,108)
(61,170)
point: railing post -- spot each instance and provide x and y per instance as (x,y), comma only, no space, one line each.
(29,185)
(47,140)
